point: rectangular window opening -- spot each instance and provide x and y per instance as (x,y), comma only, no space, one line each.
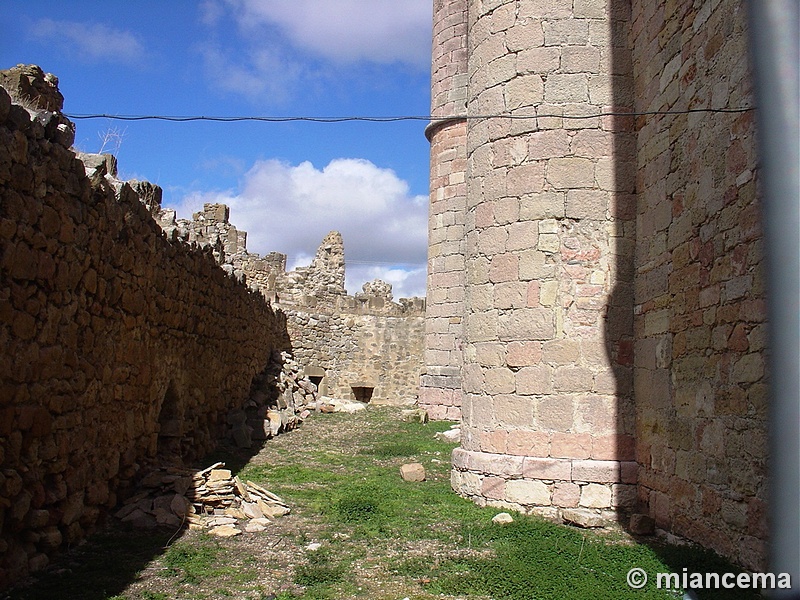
(362,394)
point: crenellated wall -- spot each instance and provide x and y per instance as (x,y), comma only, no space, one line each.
(121,347)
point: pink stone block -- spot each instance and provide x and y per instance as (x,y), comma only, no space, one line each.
(493,441)
(522,442)
(566,495)
(523,354)
(613,447)
(493,488)
(504,267)
(597,471)
(496,464)
(571,445)
(547,468)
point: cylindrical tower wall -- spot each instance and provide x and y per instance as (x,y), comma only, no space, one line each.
(440,389)
(547,413)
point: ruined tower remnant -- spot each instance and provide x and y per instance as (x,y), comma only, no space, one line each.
(608,344)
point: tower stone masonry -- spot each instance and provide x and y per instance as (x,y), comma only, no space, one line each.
(595,300)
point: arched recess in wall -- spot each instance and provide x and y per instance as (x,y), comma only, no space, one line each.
(170,426)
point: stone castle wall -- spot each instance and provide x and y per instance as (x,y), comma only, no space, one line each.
(120,346)
(364,346)
(701,393)
(613,335)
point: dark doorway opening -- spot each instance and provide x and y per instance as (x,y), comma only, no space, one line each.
(362,394)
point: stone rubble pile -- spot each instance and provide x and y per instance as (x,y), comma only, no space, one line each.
(212,499)
(279,402)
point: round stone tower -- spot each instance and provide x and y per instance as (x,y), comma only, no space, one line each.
(547,416)
(440,389)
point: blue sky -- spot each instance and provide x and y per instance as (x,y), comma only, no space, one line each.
(287,184)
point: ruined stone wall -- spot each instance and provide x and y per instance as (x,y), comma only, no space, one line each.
(119,346)
(365,346)
(382,354)
(440,385)
(701,394)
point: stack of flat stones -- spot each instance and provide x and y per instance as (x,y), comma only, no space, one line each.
(212,499)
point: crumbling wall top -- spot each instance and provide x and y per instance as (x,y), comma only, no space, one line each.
(32,87)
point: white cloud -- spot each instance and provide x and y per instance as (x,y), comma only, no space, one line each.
(255,72)
(381,31)
(290,208)
(277,47)
(91,42)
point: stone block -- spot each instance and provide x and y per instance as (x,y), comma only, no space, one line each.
(642,524)
(513,411)
(502,465)
(493,488)
(566,494)
(412,472)
(534,380)
(466,483)
(547,468)
(526,325)
(527,492)
(595,495)
(583,518)
(525,442)
(555,413)
(570,173)
(571,445)
(598,471)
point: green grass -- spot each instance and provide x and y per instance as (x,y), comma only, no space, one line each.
(530,558)
(381,537)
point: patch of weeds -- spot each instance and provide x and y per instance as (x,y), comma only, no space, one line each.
(359,506)
(321,574)
(148,595)
(396,449)
(194,562)
(288,474)
(533,556)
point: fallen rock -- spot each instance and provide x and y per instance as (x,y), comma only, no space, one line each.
(412,472)
(253,527)
(582,518)
(451,435)
(642,524)
(225,531)
(502,518)
(212,498)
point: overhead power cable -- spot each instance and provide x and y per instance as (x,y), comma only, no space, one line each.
(392,119)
